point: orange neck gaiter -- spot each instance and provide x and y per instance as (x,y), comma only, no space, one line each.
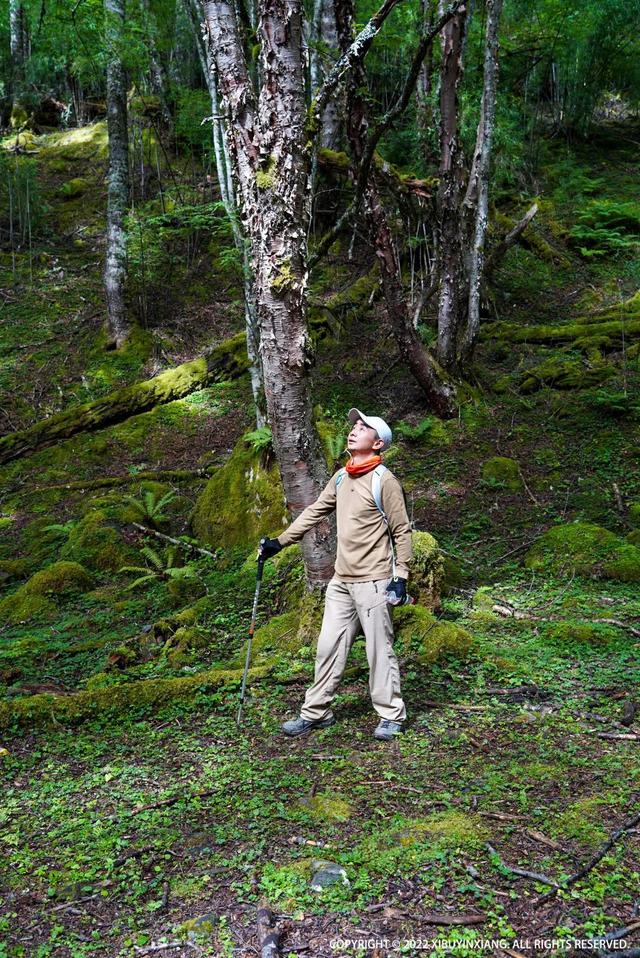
(364,467)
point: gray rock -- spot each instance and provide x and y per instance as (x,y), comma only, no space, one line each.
(325,873)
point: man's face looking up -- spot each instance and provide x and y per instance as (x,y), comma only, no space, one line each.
(363,439)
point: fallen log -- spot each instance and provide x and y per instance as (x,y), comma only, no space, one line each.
(227,361)
(268,934)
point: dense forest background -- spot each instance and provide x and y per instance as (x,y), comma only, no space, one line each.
(221,226)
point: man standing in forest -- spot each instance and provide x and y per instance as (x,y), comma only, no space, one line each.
(371,572)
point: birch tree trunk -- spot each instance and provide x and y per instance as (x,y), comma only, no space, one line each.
(267,148)
(325,49)
(449,192)
(479,179)
(440,393)
(118,175)
(195,12)
(16,42)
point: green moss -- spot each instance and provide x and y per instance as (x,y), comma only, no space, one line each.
(78,186)
(265,178)
(334,160)
(421,636)
(584,549)
(634,537)
(279,635)
(310,613)
(183,642)
(608,334)
(426,570)
(286,279)
(97,543)
(581,821)
(568,374)
(581,633)
(81,143)
(34,598)
(58,579)
(11,569)
(404,846)
(327,807)
(634,514)
(41,709)
(504,471)
(242,502)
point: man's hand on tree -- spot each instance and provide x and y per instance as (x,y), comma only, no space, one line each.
(268,548)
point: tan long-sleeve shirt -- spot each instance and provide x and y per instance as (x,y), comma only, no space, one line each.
(364,550)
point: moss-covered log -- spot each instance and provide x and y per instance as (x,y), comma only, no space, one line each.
(72,709)
(607,334)
(227,361)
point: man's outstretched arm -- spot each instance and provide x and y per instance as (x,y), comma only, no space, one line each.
(323,506)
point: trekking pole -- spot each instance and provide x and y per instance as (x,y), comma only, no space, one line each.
(251,631)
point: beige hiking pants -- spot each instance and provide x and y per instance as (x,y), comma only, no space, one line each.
(350,606)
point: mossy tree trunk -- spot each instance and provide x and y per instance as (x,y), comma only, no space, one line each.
(118,175)
(267,140)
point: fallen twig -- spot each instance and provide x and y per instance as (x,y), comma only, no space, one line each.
(523,872)
(175,542)
(593,861)
(436,919)
(624,735)
(621,625)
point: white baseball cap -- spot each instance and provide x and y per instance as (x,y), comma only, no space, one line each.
(374,422)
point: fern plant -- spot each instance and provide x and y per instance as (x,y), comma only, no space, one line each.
(162,568)
(415,433)
(606,226)
(149,507)
(261,441)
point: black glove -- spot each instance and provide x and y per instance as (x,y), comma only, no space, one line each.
(397,591)
(269,548)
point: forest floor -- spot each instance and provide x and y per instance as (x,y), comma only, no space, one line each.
(158,829)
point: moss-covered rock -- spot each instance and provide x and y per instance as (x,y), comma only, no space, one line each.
(40,709)
(581,548)
(75,187)
(277,637)
(37,596)
(184,641)
(426,570)
(12,569)
(242,502)
(634,514)
(421,636)
(327,807)
(96,542)
(502,470)
(417,840)
(634,537)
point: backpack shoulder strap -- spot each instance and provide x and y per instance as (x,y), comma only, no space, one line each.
(340,476)
(376,488)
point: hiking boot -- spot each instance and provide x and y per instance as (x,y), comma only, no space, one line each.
(301,725)
(387,730)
